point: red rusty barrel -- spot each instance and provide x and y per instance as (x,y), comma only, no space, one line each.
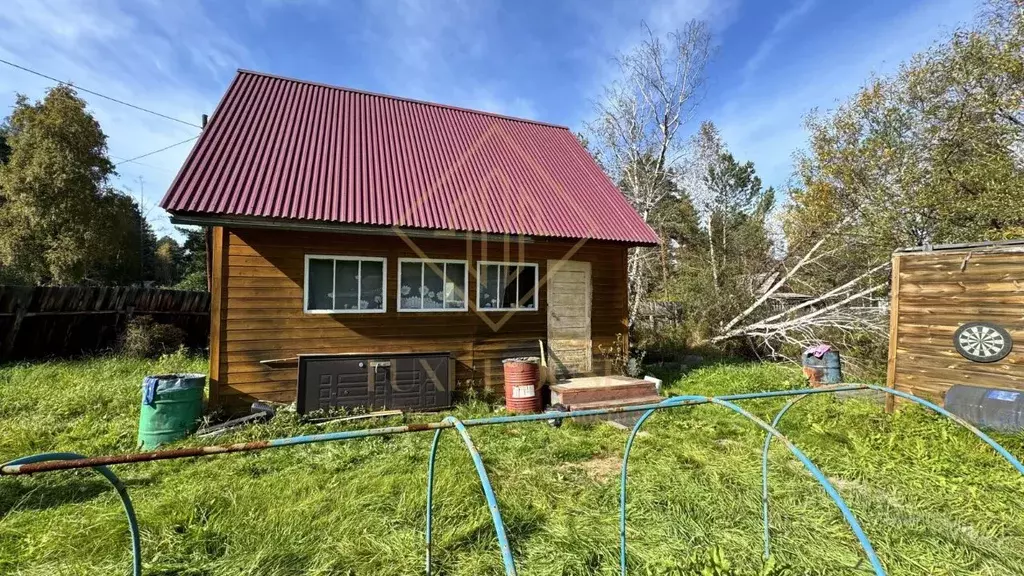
(521,394)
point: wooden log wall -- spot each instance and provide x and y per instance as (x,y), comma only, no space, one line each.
(62,321)
(258,282)
(933,294)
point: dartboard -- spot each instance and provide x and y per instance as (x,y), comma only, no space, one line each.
(982,342)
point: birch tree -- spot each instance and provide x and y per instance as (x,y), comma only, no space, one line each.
(639,135)
(707,150)
(928,155)
(61,222)
(50,188)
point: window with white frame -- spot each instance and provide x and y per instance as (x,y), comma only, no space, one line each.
(432,285)
(506,286)
(344,284)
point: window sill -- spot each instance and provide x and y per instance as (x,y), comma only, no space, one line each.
(322,312)
(430,310)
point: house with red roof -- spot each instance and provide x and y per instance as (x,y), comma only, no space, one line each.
(370,250)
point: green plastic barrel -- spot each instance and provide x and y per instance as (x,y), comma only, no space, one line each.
(172,405)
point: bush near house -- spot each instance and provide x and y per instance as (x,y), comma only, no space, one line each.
(932,498)
(146,338)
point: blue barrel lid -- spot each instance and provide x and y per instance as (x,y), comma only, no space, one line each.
(167,383)
(182,380)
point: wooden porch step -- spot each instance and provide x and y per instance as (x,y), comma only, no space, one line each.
(600,389)
(625,419)
(647,399)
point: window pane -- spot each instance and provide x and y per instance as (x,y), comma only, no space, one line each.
(319,284)
(433,286)
(527,287)
(346,285)
(508,292)
(489,289)
(372,295)
(409,297)
(455,286)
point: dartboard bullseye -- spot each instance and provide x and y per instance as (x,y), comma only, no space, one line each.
(982,342)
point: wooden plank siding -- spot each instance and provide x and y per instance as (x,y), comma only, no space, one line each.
(933,294)
(260,308)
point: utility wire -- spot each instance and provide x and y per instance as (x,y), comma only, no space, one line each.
(163,168)
(157,151)
(94,93)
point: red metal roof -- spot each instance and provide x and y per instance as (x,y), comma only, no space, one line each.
(286,149)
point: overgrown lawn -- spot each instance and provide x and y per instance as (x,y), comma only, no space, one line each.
(933,499)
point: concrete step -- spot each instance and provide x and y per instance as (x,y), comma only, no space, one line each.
(600,389)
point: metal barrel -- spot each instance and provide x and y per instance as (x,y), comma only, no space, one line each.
(521,378)
(828,369)
(172,406)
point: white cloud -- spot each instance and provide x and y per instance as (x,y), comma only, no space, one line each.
(167,57)
(762,120)
(617,28)
(664,16)
(778,30)
(424,48)
(488,99)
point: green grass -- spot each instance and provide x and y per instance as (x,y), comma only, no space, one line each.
(933,499)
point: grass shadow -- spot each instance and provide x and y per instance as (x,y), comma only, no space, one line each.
(17,494)
(520,526)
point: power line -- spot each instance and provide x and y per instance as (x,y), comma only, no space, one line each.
(94,93)
(162,168)
(157,151)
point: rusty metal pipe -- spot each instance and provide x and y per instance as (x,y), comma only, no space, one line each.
(11,469)
(122,493)
(41,463)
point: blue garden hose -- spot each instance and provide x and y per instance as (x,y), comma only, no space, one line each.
(918,400)
(485,482)
(862,538)
(64,460)
(122,492)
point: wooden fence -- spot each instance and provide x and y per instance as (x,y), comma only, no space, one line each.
(41,322)
(657,315)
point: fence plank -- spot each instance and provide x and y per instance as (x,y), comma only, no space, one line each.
(62,321)
(655,315)
(12,333)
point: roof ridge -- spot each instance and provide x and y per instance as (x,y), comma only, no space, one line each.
(401,98)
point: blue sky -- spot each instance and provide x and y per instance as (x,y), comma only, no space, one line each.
(545,60)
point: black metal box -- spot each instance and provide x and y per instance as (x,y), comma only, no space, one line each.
(375,381)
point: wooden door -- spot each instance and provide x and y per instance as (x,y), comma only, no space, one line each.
(569,296)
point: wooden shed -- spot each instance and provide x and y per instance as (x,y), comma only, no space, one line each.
(957,317)
(353,229)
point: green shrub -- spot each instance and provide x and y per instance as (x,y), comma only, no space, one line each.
(195,281)
(146,338)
